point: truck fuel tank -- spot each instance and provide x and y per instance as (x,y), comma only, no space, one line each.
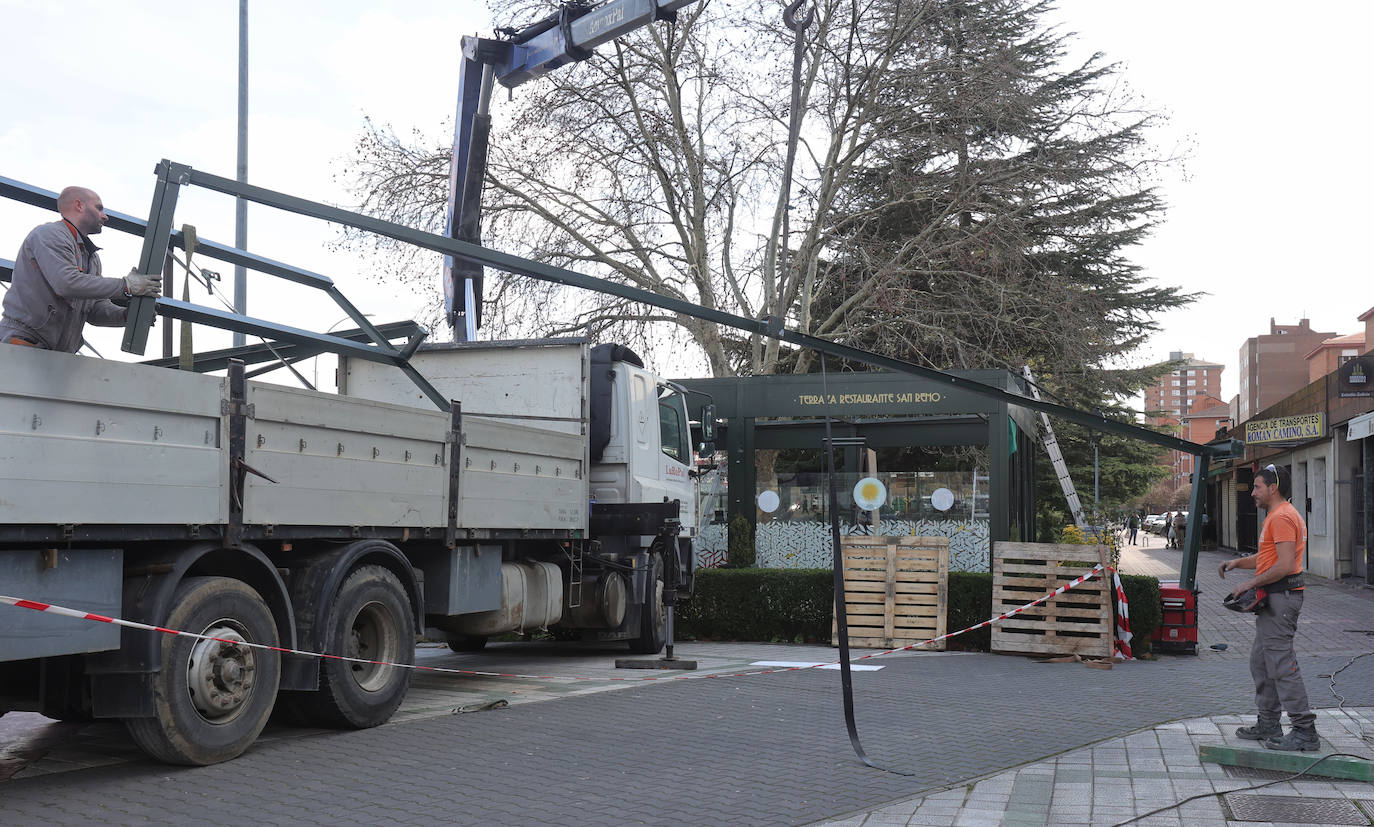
(604,598)
(531,598)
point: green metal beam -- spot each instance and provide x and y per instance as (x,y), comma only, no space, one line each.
(999,481)
(1192,540)
(770,328)
(1336,766)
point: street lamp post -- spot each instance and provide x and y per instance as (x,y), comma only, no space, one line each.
(1097,490)
(241,205)
(1096,479)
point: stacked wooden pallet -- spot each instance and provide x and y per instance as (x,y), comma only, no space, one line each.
(1077,622)
(896,590)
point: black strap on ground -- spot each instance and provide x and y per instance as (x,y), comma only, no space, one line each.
(841,609)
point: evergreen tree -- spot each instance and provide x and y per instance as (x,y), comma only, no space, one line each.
(991,226)
(992,223)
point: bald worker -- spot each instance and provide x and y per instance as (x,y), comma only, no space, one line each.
(57,285)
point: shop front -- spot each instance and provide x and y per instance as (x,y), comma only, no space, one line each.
(945,462)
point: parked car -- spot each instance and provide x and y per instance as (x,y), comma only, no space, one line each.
(1153,522)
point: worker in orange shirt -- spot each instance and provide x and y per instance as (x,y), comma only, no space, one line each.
(1273,663)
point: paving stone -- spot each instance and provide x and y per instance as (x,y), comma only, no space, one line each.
(760,750)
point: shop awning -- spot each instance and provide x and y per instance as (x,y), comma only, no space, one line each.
(1360,427)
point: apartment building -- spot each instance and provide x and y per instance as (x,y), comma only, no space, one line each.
(1176,392)
(1274,365)
(1332,353)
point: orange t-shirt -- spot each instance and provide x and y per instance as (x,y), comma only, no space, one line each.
(1283,524)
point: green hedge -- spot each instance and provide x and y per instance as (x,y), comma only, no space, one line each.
(970,602)
(796,605)
(759,604)
(1147,609)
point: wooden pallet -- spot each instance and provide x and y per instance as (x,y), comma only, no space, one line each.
(896,591)
(1077,622)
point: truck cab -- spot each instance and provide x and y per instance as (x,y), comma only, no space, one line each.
(648,456)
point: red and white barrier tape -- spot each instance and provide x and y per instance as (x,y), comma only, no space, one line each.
(76,613)
(990,621)
(1122,644)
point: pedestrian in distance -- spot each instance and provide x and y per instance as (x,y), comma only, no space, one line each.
(1180,529)
(1273,663)
(1169,529)
(1133,525)
(58,287)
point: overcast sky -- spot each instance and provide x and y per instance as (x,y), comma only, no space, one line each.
(1269,99)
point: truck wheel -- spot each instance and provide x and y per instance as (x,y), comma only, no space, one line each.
(467,643)
(369,619)
(654,615)
(212,697)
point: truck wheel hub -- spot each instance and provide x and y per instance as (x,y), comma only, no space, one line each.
(219,675)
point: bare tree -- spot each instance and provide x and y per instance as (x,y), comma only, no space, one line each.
(656,163)
(958,192)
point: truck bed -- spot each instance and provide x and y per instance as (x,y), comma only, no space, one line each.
(90,444)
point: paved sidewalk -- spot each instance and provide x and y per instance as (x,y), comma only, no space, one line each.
(758,750)
(1121,779)
(32,745)
(1336,618)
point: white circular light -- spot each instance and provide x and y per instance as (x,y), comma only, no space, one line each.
(870,493)
(768,502)
(942,499)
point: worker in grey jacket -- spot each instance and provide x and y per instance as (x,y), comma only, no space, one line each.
(57,284)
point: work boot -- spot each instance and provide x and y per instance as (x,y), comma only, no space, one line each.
(1297,740)
(1263,730)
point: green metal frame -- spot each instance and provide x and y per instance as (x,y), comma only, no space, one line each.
(172,175)
(159,238)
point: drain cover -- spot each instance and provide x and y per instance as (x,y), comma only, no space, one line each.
(1294,809)
(1256,773)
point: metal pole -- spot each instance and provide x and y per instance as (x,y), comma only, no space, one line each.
(1192,539)
(1367,507)
(167,273)
(1097,441)
(240,204)
(1096,478)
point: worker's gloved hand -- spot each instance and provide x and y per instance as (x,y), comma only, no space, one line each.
(140,284)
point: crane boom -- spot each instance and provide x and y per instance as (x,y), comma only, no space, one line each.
(567,36)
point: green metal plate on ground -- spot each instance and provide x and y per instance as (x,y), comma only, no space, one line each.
(1290,762)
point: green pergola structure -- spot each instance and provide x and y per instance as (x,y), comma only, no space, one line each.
(888,410)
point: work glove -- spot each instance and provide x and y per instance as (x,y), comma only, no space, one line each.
(140,284)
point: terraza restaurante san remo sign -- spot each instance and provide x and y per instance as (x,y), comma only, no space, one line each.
(1286,429)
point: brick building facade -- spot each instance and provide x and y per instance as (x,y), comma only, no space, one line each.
(1274,365)
(1176,392)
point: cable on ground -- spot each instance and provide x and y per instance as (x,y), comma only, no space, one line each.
(1294,776)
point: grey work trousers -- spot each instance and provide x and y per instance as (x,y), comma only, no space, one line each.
(1274,664)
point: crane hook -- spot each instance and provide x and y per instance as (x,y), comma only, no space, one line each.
(789,15)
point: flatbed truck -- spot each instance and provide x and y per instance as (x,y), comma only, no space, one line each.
(557,493)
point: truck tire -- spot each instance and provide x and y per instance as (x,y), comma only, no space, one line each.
(370,618)
(467,643)
(212,697)
(653,616)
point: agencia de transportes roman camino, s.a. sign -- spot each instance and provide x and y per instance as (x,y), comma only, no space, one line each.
(1286,429)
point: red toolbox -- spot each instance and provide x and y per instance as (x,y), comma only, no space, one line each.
(1178,632)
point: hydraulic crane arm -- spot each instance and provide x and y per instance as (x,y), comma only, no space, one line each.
(567,36)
